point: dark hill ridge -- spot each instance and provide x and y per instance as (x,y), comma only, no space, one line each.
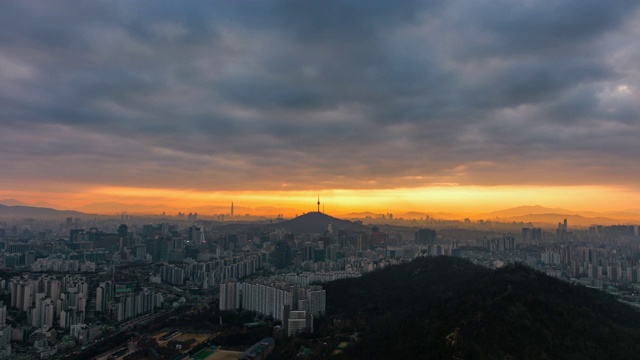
(448,308)
(317,222)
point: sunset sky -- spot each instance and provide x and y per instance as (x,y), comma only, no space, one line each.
(454,106)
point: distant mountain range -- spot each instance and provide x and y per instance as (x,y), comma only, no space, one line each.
(539,210)
(572,220)
(362,215)
(405,215)
(38,212)
(527,210)
(43,204)
(536,214)
(541,215)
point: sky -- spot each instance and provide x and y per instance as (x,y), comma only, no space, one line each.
(373,105)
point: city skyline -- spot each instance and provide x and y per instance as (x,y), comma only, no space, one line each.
(459,106)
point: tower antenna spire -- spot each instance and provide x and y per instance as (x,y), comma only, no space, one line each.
(318,202)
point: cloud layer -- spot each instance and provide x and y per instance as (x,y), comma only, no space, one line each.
(279,95)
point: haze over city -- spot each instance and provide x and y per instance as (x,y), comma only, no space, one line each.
(457,106)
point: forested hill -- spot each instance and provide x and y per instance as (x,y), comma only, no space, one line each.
(317,222)
(448,308)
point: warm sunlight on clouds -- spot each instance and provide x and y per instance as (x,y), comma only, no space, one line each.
(425,105)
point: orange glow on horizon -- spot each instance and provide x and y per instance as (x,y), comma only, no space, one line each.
(460,200)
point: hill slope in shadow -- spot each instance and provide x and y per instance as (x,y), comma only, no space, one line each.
(448,308)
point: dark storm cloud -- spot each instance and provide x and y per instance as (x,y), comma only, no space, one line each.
(250,95)
(544,27)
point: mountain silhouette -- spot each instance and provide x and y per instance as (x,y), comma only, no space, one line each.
(318,222)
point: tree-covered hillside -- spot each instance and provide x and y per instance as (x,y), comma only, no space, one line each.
(448,308)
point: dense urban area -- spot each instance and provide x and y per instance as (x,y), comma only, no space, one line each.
(190,286)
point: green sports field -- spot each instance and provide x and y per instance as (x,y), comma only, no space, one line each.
(203,354)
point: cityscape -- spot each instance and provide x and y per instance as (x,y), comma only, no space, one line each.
(70,284)
(352,179)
